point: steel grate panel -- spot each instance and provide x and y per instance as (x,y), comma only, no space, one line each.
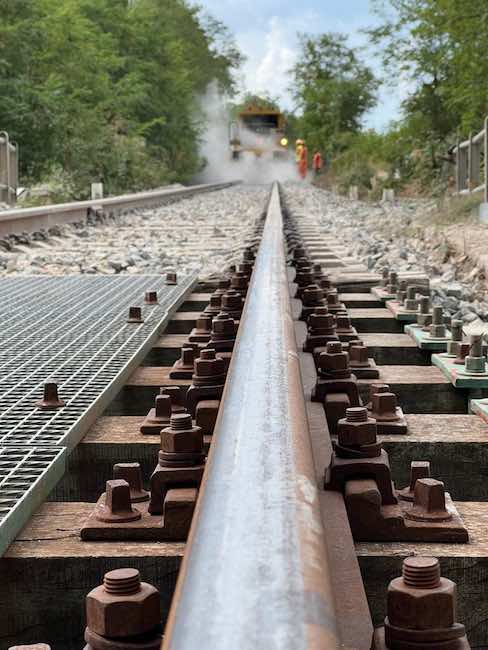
(27,475)
(71,330)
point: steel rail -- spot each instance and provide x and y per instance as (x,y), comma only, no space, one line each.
(255,572)
(33,219)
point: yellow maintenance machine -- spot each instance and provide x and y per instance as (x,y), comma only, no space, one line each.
(259,131)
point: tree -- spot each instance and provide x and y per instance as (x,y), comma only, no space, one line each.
(332,90)
(99,89)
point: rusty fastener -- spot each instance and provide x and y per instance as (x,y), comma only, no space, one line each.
(117,508)
(209,369)
(123,608)
(151,298)
(222,286)
(158,417)
(171,279)
(357,435)
(223,330)
(181,460)
(344,325)
(421,610)
(456,338)
(334,362)
(183,367)
(135,315)
(411,303)
(438,328)
(462,353)
(358,355)
(402,292)
(424,317)
(429,501)
(384,407)
(131,472)
(376,387)
(385,274)
(215,305)
(202,330)
(418,469)
(313,296)
(232,303)
(475,362)
(239,282)
(177,398)
(392,286)
(50,400)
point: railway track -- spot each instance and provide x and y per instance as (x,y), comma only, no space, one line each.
(20,220)
(272,559)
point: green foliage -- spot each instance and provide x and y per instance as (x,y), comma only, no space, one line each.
(101,90)
(332,89)
(438,47)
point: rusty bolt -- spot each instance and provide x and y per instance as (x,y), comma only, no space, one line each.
(357,428)
(384,407)
(223,327)
(462,353)
(321,322)
(222,287)
(248,254)
(117,508)
(215,305)
(385,273)
(475,362)
(333,299)
(456,337)
(239,281)
(171,279)
(151,298)
(343,325)
(411,302)
(418,469)
(209,369)
(299,251)
(135,315)
(50,400)
(392,286)
(424,317)
(358,356)
(123,606)
(334,362)
(402,291)
(203,324)
(232,302)
(421,608)
(131,472)
(187,359)
(246,268)
(437,328)
(177,398)
(429,502)
(312,296)
(181,442)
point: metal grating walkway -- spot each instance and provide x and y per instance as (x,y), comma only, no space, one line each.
(72,330)
(27,475)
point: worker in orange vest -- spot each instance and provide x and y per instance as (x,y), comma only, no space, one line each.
(318,162)
(303,164)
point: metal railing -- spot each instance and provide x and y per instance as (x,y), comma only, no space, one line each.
(471,163)
(9,169)
(256,572)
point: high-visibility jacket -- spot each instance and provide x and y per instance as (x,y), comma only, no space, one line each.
(317,161)
(298,152)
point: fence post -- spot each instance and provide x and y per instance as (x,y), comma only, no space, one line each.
(485,160)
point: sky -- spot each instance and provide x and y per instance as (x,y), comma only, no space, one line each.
(265,31)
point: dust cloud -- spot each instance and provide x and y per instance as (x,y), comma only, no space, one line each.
(216,151)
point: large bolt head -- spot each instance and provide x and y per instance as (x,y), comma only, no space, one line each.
(421,609)
(123,616)
(209,367)
(356,433)
(182,442)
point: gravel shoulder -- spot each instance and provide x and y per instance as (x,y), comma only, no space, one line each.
(404,237)
(201,234)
